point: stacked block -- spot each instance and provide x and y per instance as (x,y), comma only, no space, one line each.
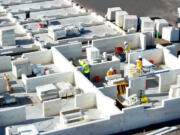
(130,21)
(120,18)
(111,12)
(7,37)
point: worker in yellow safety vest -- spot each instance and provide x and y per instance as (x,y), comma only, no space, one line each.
(127,47)
(110,72)
(85,68)
(139,63)
(127,50)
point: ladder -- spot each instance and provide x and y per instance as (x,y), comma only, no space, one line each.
(9,88)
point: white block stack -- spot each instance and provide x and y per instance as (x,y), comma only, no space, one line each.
(120,18)
(160,24)
(130,21)
(7,37)
(66,89)
(170,34)
(21,66)
(93,54)
(147,24)
(178,11)
(111,13)
(56,32)
(46,92)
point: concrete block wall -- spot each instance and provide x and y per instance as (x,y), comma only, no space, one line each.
(52,107)
(109,44)
(153,54)
(61,62)
(11,116)
(85,101)
(100,69)
(137,115)
(167,79)
(120,122)
(39,57)
(104,103)
(170,60)
(32,83)
(5,63)
(70,51)
(3,86)
(135,84)
(109,91)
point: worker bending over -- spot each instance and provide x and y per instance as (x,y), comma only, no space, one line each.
(127,49)
(139,63)
(85,68)
(111,72)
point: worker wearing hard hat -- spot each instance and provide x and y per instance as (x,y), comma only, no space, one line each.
(110,72)
(127,49)
(139,63)
(85,68)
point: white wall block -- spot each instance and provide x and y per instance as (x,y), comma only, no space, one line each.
(120,18)
(111,13)
(85,101)
(21,66)
(7,37)
(170,34)
(3,86)
(130,21)
(11,116)
(160,24)
(5,63)
(39,57)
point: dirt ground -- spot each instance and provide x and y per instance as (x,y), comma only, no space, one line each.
(166,9)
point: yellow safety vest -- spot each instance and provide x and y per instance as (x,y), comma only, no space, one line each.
(127,49)
(86,69)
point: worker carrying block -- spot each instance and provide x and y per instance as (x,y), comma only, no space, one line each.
(85,68)
(111,72)
(127,49)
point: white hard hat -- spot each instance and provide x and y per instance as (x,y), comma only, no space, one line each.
(140,57)
(111,69)
(125,42)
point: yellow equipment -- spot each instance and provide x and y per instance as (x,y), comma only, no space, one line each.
(133,72)
(119,104)
(144,100)
(121,88)
(9,88)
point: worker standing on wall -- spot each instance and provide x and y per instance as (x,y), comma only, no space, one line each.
(127,49)
(85,68)
(139,63)
(110,72)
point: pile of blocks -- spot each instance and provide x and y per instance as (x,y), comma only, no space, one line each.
(66,89)
(93,54)
(47,92)
(7,37)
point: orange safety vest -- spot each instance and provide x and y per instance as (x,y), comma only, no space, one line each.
(139,64)
(110,73)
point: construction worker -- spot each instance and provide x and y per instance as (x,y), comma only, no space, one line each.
(139,63)
(110,72)
(85,68)
(127,49)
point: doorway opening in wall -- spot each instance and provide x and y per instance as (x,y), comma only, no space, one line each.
(152,83)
